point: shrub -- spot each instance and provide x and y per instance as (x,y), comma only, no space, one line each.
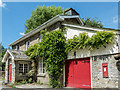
(38,82)
(23,82)
(12,85)
(30,80)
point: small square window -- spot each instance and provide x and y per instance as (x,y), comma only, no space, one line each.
(23,68)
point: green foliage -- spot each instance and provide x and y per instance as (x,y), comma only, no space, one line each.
(23,82)
(2,52)
(41,15)
(30,80)
(52,49)
(80,42)
(17,83)
(99,39)
(12,86)
(31,73)
(38,82)
(55,83)
(92,22)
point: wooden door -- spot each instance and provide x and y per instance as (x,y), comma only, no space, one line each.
(10,73)
(77,73)
(82,75)
(69,73)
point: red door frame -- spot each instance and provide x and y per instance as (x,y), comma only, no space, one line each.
(10,74)
(72,79)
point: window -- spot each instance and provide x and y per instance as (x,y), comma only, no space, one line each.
(20,68)
(27,44)
(40,38)
(23,68)
(17,47)
(42,66)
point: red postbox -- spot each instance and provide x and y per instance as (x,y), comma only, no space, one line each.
(105,70)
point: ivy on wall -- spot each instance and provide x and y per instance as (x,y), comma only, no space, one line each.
(54,47)
(80,42)
(99,39)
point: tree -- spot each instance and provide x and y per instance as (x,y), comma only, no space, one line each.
(2,52)
(92,22)
(41,15)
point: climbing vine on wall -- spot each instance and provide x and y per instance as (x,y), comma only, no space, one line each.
(99,39)
(80,42)
(54,47)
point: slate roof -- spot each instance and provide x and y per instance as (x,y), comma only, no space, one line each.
(17,54)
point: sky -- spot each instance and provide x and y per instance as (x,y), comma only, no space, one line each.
(14,15)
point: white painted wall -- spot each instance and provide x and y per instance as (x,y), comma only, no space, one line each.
(74,31)
(80,53)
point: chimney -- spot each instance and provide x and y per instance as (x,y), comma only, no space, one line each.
(71,12)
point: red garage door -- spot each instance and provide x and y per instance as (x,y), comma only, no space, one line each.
(77,73)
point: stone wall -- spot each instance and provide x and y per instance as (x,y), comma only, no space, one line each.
(6,71)
(97,76)
(35,38)
(43,78)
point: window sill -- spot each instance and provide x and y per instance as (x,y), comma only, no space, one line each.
(41,74)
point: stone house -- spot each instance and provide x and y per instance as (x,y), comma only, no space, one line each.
(83,68)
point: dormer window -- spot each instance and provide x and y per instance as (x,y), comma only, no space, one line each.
(17,47)
(27,44)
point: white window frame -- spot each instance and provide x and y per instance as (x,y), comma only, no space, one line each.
(23,68)
(17,47)
(41,68)
(26,44)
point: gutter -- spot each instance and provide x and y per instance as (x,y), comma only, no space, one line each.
(89,28)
